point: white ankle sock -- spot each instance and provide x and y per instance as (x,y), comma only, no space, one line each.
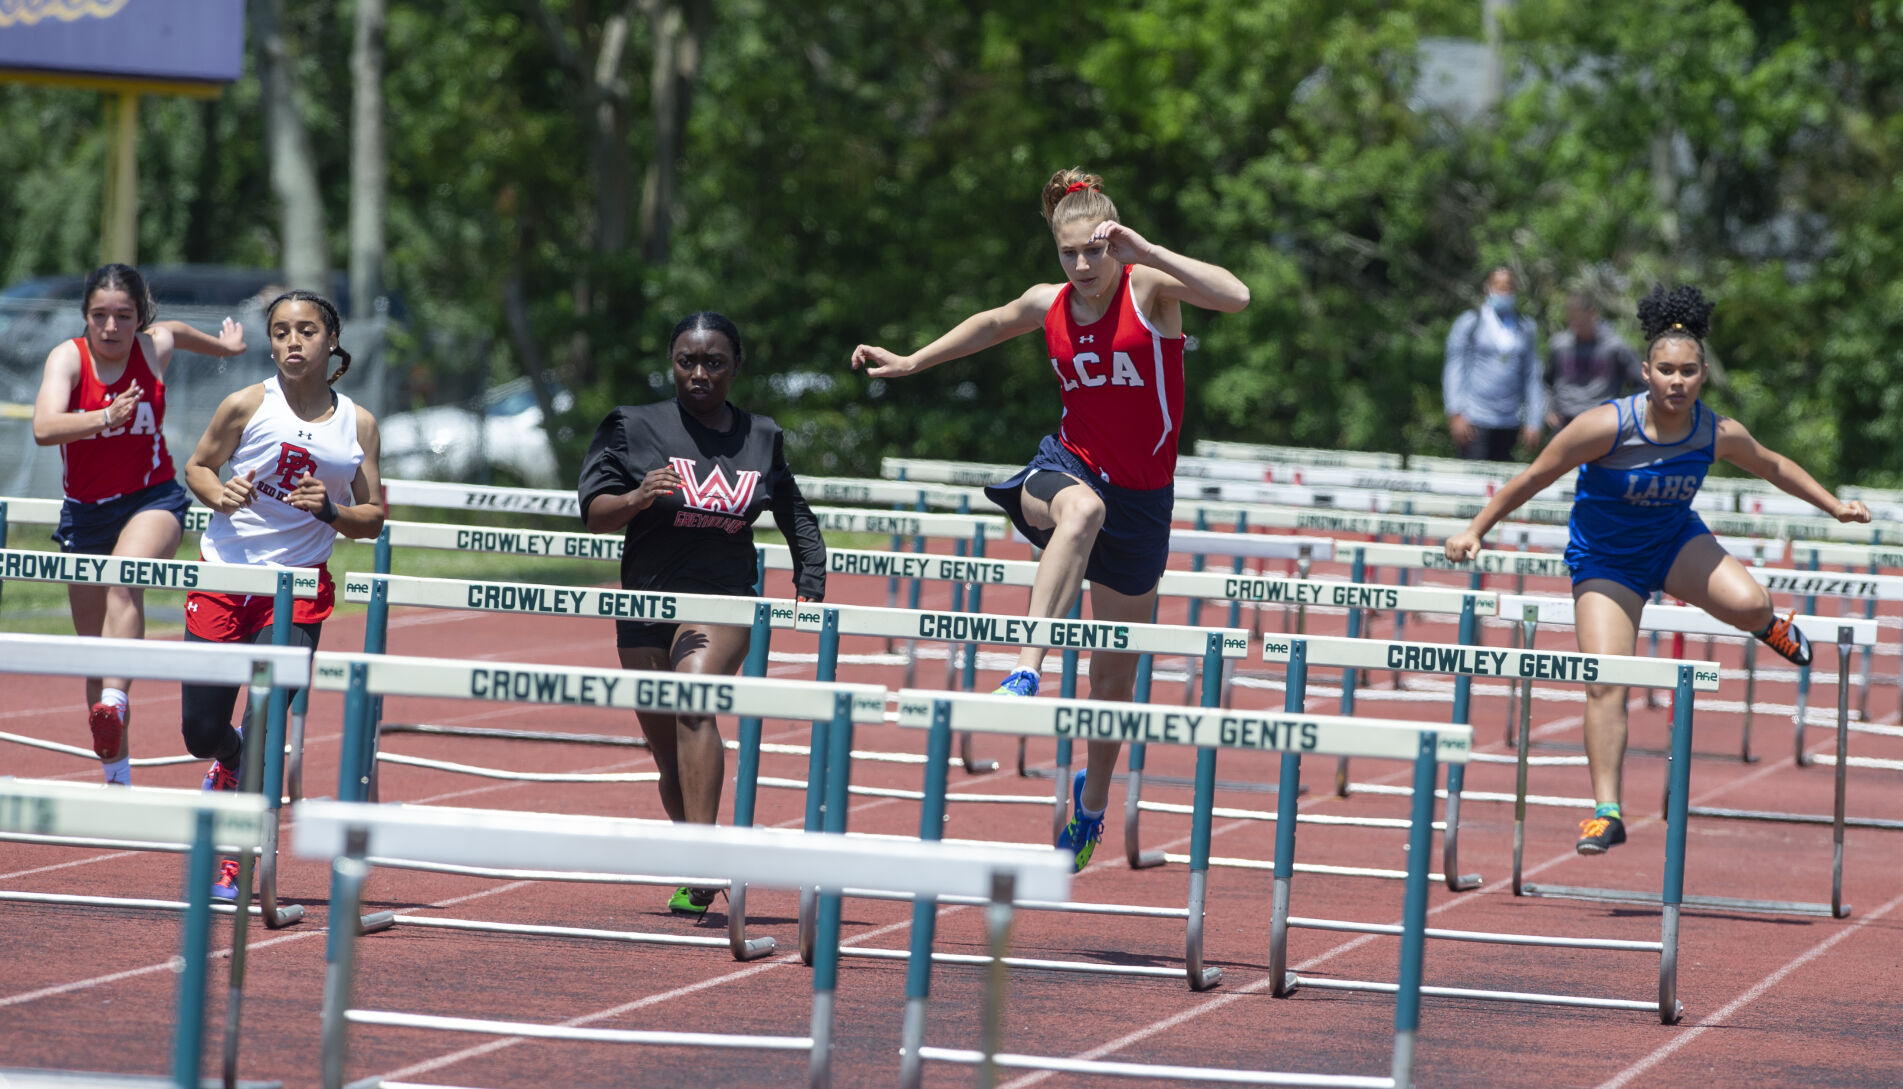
(114,697)
(118,771)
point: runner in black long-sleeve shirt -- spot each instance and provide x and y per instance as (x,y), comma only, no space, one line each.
(687,477)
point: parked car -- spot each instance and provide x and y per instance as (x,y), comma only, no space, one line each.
(505,443)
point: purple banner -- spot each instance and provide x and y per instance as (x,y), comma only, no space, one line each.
(197,40)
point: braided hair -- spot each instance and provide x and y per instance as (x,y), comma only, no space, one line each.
(332,324)
(1681,312)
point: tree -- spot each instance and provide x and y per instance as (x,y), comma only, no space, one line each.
(305,249)
(367,169)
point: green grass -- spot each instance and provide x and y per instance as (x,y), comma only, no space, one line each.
(40,607)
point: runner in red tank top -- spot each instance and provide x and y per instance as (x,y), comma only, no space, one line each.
(1098,495)
(102,401)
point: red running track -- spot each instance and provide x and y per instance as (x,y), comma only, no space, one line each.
(1769,1000)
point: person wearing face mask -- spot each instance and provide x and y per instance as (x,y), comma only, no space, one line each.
(1641,461)
(1491,382)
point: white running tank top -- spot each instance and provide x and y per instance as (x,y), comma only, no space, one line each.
(281,447)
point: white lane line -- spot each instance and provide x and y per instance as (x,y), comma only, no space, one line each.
(250,947)
(493,1046)
(1723,1013)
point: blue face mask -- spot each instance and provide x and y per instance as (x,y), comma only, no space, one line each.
(1501,301)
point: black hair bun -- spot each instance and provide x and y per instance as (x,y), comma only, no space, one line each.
(1683,308)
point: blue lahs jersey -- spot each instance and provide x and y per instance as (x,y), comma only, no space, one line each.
(1637,499)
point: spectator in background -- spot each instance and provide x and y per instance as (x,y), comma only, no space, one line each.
(1491,379)
(1586,364)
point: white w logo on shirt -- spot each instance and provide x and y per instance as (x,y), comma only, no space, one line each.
(715,493)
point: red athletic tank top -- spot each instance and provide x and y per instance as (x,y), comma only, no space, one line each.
(1122,388)
(129,457)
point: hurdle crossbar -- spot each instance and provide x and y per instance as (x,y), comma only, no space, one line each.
(352,835)
(1207,729)
(206,822)
(1848,633)
(267,671)
(368,677)
(1527,665)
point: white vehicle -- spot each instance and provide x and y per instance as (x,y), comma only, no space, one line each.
(453,444)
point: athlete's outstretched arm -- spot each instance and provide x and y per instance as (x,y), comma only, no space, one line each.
(169,336)
(1589,436)
(976,333)
(1184,279)
(215,448)
(1737,446)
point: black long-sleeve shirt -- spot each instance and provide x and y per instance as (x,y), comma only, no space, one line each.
(700,539)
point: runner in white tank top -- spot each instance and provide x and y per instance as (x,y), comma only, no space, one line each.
(303,461)
(276,450)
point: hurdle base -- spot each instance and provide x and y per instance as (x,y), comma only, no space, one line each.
(376,921)
(1794,818)
(1723,903)
(1102,1067)
(1534,998)
(287,915)
(1697,754)
(78,1079)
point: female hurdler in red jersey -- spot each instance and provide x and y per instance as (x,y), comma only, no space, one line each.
(102,402)
(1098,495)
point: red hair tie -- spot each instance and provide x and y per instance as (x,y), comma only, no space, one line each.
(1075,186)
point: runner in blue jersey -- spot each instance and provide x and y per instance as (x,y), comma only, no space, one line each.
(1641,460)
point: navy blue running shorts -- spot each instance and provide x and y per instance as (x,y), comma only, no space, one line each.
(1133,546)
(93,528)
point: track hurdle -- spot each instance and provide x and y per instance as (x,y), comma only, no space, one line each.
(1682,677)
(1848,633)
(1212,645)
(355,836)
(365,677)
(1468,605)
(1209,730)
(199,823)
(266,671)
(1871,559)
(282,583)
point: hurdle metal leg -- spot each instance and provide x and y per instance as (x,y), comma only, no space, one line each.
(998,939)
(347,875)
(1836,908)
(918,966)
(1407,1005)
(294,748)
(746,789)
(818,788)
(188,1035)
(825,957)
(1750,700)
(1200,978)
(1282,981)
(1133,852)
